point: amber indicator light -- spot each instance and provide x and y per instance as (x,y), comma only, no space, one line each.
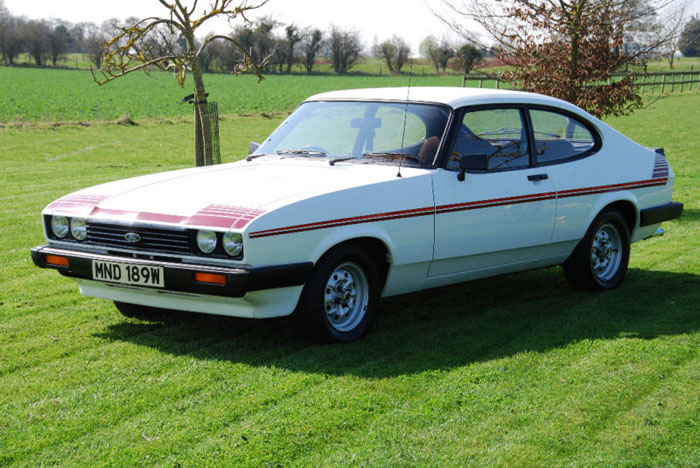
(210,278)
(56,260)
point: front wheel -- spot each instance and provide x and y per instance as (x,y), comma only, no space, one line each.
(600,259)
(340,300)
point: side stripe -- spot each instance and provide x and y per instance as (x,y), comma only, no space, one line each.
(456,207)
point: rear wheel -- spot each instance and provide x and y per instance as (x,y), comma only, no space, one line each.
(600,259)
(339,302)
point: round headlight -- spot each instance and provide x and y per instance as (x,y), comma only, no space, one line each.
(206,241)
(59,226)
(78,229)
(233,243)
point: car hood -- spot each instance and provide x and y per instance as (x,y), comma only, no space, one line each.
(229,195)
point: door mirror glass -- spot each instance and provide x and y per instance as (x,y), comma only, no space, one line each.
(472,162)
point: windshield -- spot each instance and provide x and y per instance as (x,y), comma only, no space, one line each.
(370,132)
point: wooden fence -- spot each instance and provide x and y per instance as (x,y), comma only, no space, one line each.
(668,82)
(662,82)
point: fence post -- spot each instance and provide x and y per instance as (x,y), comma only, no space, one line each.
(663,83)
(673,82)
(481,82)
(498,83)
(644,82)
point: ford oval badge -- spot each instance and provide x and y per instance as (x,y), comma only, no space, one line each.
(132,237)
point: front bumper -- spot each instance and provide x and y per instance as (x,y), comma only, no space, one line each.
(181,276)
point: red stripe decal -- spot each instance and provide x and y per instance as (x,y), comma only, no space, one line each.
(236,218)
(224,216)
(456,207)
(346,221)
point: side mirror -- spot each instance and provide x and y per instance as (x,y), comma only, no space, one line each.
(252,148)
(472,162)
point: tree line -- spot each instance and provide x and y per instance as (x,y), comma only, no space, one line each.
(277,46)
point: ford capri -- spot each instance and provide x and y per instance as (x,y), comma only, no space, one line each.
(364,194)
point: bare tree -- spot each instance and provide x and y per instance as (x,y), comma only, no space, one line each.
(35,38)
(386,51)
(467,57)
(312,44)
(394,52)
(568,49)
(57,43)
(345,48)
(292,38)
(144,44)
(10,35)
(93,46)
(672,27)
(439,52)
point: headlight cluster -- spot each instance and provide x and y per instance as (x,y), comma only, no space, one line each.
(61,226)
(231,242)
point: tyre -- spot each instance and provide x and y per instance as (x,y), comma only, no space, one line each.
(600,260)
(340,300)
(147,313)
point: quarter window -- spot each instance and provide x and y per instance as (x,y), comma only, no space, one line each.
(559,136)
(498,133)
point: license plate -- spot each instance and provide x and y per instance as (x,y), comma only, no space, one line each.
(141,275)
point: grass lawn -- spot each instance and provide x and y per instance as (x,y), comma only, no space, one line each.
(510,371)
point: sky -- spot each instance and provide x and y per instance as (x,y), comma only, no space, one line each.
(374,19)
(410,19)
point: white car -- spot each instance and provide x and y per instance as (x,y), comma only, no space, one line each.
(363,194)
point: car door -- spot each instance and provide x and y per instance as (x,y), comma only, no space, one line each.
(566,148)
(498,219)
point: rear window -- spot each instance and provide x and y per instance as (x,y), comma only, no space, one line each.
(559,137)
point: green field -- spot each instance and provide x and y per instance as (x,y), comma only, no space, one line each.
(36,95)
(511,371)
(47,95)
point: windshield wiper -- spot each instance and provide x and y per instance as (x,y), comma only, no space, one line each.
(300,151)
(337,160)
(392,156)
(254,156)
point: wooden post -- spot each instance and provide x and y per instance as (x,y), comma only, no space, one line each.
(663,83)
(498,83)
(198,142)
(481,82)
(673,82)
(644,82)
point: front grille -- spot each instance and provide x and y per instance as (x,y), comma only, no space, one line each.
(152,239)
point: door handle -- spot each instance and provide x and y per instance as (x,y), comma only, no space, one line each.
(535,177)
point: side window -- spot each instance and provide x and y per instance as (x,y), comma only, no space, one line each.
(498,133)
(559,136)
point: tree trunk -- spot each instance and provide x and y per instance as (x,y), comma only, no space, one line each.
(198,144)
(200,105)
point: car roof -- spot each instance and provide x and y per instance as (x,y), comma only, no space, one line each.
(450,96)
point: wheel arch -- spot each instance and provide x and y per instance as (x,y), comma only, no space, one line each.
(376,248)
(627,209)
(624,203)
